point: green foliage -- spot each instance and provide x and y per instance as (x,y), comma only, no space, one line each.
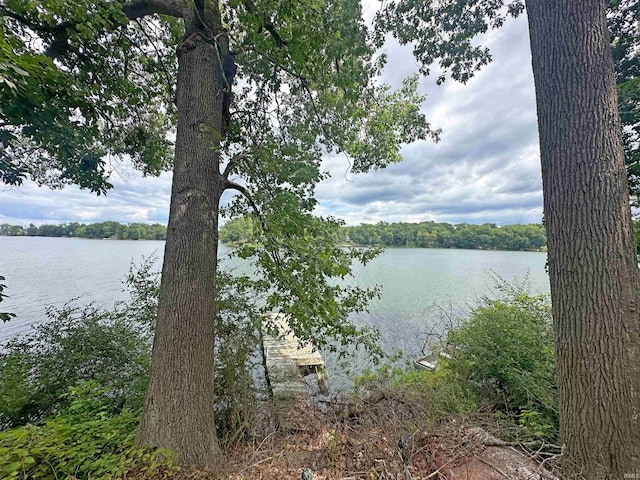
(4,316)
(444,235)
(505,349)
(240,230)
(310,74)
(78,344)
(105,93)
(85,440)
(442,391)
(111,349)
(444,31)
(426,234)
(236,390)
(299,267)
(132,231)
(501,357)
(81,377)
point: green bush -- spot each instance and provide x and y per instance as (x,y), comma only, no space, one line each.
(83,441)
(111,350)
(71,390)
(80,343)
(505,350)
(501,356)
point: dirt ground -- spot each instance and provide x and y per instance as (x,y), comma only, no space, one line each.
(374,442)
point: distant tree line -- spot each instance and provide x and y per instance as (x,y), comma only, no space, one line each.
(463,235)
(426,234)
(487,236)
(115,230)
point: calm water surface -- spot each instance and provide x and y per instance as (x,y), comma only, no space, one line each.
(418,283)
(41,271)
(51,271)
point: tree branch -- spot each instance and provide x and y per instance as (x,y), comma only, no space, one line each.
(267,23)
(235,160)
(5,12)
(229,185)
(133,10)
(143,8)
(271,248)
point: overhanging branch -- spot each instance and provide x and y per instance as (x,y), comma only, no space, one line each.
(61,31)
(271,248)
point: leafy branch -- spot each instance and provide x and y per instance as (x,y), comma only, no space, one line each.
(4,316)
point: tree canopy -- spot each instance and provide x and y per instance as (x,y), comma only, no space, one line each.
(82,84)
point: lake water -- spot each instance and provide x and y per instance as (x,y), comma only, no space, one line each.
(416,282)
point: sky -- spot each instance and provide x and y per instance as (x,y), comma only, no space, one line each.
(485,168)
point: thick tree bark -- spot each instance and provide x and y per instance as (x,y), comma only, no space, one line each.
(592,262)
(178,411)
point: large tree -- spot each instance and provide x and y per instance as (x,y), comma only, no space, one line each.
(261,90)
(592,262)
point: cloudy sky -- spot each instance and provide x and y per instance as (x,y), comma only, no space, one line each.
(484,169)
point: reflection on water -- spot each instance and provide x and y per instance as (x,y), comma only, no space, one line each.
(417,283)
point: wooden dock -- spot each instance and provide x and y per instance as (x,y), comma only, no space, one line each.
(288,364)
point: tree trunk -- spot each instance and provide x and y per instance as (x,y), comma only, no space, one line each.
(592,262)
(178,410)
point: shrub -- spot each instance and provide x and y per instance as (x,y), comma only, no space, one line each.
(505,350)
(83,441)
(501,356)
(112,349)
(80,343)
(81,377)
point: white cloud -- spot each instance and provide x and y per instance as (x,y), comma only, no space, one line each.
(485,169)
(486,166)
